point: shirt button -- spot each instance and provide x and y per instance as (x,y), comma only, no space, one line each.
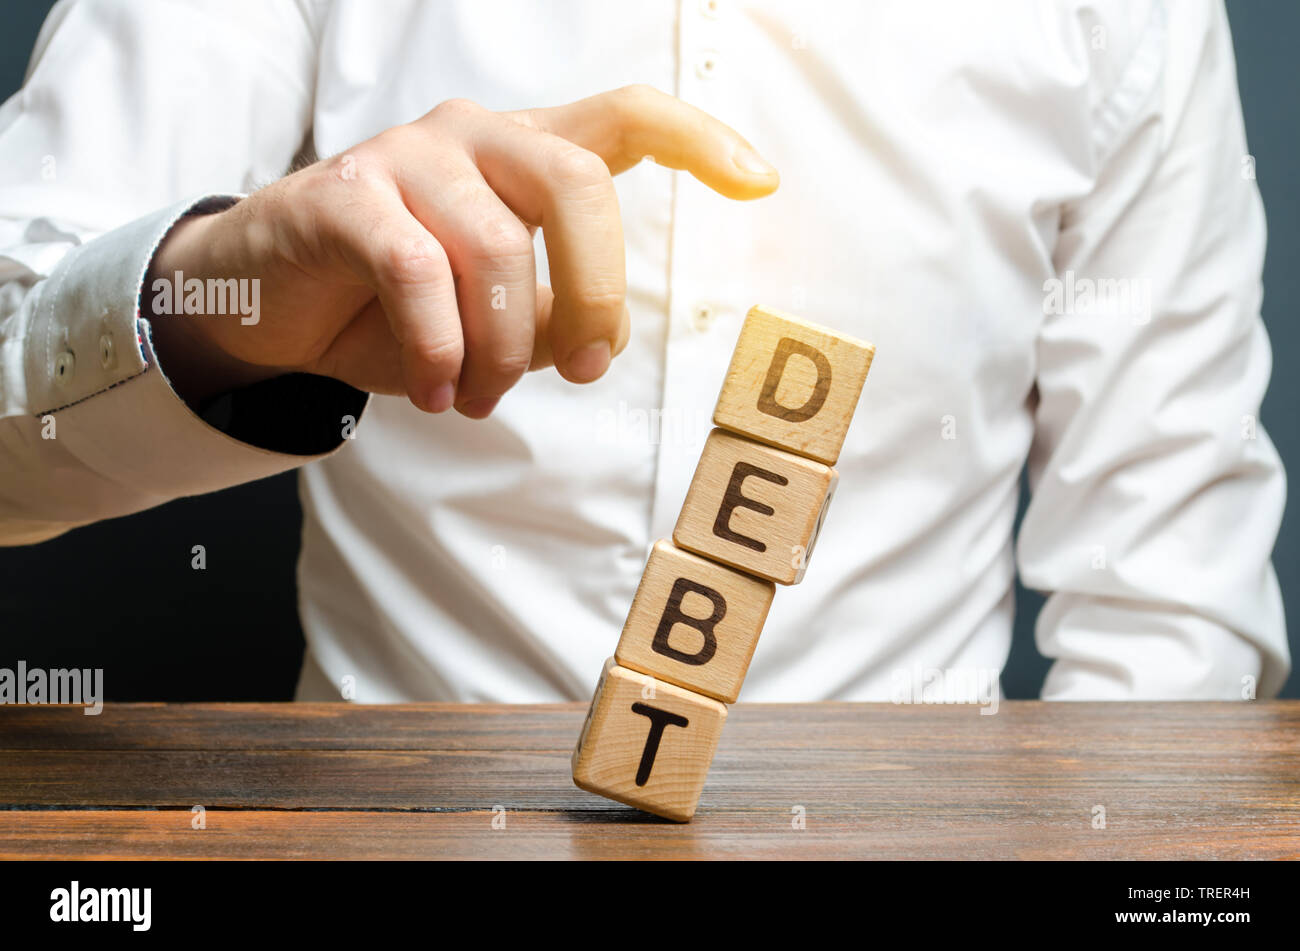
(107,355)
(64,364)
(706,67)
(702,317)
(711,8)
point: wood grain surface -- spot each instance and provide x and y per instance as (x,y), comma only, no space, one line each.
(1177,780)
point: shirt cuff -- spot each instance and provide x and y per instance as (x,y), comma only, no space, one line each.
(90,363)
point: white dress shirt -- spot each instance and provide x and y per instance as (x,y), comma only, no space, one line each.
(1040,213)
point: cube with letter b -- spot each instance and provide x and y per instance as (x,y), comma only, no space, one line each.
(647,743)
(793,384)
(754,508)
(694,623)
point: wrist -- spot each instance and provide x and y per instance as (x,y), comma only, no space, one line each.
(187,338)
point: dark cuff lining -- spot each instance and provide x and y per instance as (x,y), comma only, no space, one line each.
(298,414)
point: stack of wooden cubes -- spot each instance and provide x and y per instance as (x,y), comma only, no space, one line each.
(750,520)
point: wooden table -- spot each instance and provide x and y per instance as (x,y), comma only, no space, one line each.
(1177,780)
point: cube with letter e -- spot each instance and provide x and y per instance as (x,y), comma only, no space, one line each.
(754,508)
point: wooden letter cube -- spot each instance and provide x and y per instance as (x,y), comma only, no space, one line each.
(793,385)
(647,743)
(755,508)
(694,623)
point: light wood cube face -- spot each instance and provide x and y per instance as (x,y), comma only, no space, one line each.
(793,384)
(754,507)
(694,623)
(647,743)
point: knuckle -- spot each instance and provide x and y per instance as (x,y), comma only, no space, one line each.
(443,354)
(529,118)
(457,190)
(577,168)
(507,243)
(347,166)
(508,364)
(604,303)
(638,95)
(398,139)
(412,262)
(633,103)
(456,109)
(358,171)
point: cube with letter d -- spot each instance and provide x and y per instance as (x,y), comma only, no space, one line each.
(793,384)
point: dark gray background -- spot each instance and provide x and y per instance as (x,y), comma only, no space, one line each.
(121,594)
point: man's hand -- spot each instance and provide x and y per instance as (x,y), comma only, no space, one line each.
(405,265)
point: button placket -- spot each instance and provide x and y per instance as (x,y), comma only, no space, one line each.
(701,47)
(707,63)
(708,57)
(691,365)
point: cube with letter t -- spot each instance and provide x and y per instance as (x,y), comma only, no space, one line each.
(647,743)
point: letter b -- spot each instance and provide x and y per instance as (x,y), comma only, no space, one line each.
(673,615)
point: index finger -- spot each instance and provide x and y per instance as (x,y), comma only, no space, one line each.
(626,125)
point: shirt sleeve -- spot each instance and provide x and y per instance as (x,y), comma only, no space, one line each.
(128,108)
(1156,493)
